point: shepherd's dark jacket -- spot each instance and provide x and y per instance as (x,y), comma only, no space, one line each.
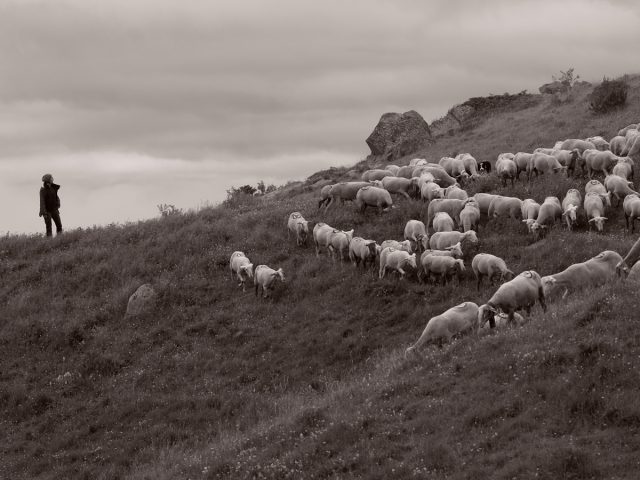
(49,200)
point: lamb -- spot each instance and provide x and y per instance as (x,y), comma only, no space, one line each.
(443,266)
(455,321)
(299,227)
(416,233)
(570,204)
(396,260)
(617,144)
(594,208)
(265,277)
(530,210)
(442,222)
(520,293)
(470,216)
(242,267)
(490,266)
(632,257)
(371,196)
(362,251)
(631,207)
(454,251)
(618,187)
(596,271)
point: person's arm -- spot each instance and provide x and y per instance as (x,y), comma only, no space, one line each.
(43,209)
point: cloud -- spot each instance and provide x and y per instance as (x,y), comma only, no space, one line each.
(266,83)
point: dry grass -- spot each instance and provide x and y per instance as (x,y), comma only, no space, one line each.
(215,383)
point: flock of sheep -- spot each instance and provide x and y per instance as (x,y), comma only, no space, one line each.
(453,217)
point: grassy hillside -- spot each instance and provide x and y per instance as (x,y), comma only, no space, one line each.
(216,383)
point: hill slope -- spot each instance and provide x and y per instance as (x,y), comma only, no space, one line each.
(216,383)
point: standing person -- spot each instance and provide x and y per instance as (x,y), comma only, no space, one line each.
(50,203)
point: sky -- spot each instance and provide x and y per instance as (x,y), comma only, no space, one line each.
(135,103)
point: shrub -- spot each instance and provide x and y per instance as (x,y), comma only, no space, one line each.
(608,95)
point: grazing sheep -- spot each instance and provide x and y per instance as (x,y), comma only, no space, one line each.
(600,143)
(520,293)
(455,191)
(567,158)
(617,144)
(442,222)
(396,245)
(540,163)
(624,168)
(631,207)
(241,266)
(454,251)
(597,161)
(393,168)
(332,239)
(362,251)
(455,321)
(550,211)
(398,260)
(441,177)
(634,273)
(631,126)
(377,174)
(522,160)
(530,211)
(373,197)
(451,206)
(416,162)
(596,271)
(506,169)
(265,277)
(407,187)
(406,172)
(484,201)
(570,204)
(325,196)
(505,207)
(502,321)
(431,190)
(468,241)
(490,266)
(416,232)
(577,143)
(299,227)
(618,188)
(470,164)
(632,257)
(594,208)
(443,266)
(344,191)
(454,167)
(470,216)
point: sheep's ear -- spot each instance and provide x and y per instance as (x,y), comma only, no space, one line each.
(592,220)
(604,218)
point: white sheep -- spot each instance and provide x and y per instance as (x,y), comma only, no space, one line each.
(299,227)
(398,260)
(416,232)
(490,266)
(241,266)
(265,277)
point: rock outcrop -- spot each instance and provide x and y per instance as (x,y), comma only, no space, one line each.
(142,300)
(397,135)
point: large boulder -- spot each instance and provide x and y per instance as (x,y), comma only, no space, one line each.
(142,301)
(397,135)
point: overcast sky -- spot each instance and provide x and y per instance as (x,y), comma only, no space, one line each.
(134,103)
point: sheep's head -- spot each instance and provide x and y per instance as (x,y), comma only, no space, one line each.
(278,274)
(598,222)
(456,250)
